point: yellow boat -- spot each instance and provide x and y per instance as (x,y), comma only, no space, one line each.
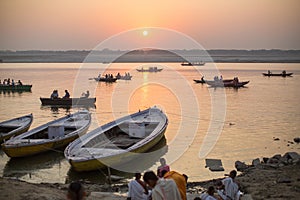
(117,143)
(53,135)
(14,127)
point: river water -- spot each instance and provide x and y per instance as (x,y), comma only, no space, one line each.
(204,122)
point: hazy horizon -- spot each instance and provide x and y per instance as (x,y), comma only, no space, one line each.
(82,25)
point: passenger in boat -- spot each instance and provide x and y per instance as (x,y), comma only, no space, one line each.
(67,95)
(76,191)
(12,82)
(111,76)
(284,72)
(106,76)
(231,188)
(0,82)
(85,95)
(180,180)
(202,78)
(118,75)
(54,94)
(221,78)
(99,76)
(269,72)
(19,82)
(162,189)
(163,167)
(137,189)
(8,81)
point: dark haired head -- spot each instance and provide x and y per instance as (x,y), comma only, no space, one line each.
(232,174)
(75,191)
(150,178)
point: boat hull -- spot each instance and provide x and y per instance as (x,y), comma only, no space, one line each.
(68,102)
(226,84)
(282,75)
(108,80)
(96,164)
(20,88)
(33,149)
(21,129)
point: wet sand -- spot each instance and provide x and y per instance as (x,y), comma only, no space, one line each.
(265,181)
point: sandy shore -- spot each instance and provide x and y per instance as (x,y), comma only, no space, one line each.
(269,180)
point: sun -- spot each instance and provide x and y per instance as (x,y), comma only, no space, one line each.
(145,33)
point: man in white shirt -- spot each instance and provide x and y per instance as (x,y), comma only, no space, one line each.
(137,189)
(231,187)
(162,189)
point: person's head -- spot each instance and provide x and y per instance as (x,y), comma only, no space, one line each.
(211,190)
(232,174)
(150,178)
(197,198)
(138,176)
(76,191)
(162,161)
(66,90)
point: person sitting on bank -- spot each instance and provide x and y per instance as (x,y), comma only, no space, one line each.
(163,167)
(54,94)
(85,95)
(67,95)
(137,189)
(76,191)
(162,189)
(209,195)
(231,188)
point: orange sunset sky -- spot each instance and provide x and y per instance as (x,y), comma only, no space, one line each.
(215,24)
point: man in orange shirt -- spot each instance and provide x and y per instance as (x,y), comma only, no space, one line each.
(180,180)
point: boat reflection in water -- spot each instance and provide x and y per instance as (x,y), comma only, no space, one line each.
(140,163)
(24,167)
(67,109)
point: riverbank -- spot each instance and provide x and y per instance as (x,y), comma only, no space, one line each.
(277,177)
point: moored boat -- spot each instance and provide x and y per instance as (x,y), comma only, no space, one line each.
(17,88)
(113,144)
(150,69)
(49,136)
(14,127)
(83,101)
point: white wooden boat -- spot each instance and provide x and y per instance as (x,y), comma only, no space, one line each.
(53,135)
(14,127)
(113,144)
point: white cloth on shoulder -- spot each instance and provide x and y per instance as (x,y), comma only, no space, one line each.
(231,189)
(165,189)
(136,191)
(205,196)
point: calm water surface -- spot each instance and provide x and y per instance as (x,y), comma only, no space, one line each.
(266,108)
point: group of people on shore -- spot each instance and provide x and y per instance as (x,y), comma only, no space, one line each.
(167,185)
(10,82)
(67,95)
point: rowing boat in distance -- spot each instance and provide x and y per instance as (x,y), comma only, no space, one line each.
(278,74)
(83,101)
(150,69)
(193,64)
(220,83)
(204,81)
(104,79)
(14,127)
(49,136)
(17,88)
(114,144)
